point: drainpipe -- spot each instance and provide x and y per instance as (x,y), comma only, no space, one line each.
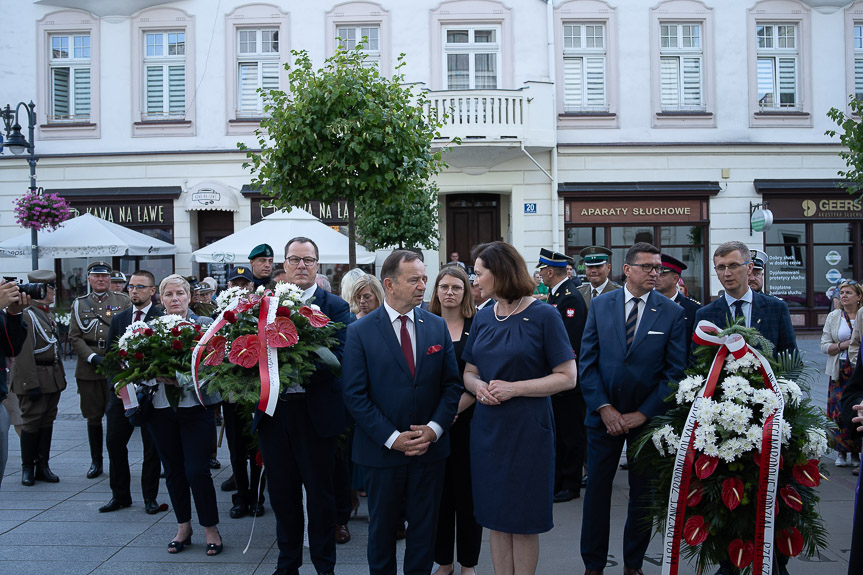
(552,77)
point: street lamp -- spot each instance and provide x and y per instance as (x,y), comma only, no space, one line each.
(17,144)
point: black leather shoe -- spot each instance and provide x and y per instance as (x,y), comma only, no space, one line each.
(28,475)
(257,510)
(151,507)
(229,484)
(238,510)
(215,464)
(44,473)
(286,571)
(95,470)
(566,495)
(114,505)
(584,481)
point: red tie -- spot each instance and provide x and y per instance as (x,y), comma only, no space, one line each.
(138,315)
(407,349)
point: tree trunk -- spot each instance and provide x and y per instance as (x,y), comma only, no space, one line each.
(352,236)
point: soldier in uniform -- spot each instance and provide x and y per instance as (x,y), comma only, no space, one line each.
(37,379)
(88,332)
(202,303)
(666,284)
(261,262)
(118,282)
(596,268)
(756,276)
(568,406)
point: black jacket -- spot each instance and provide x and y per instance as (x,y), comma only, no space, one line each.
(13,332)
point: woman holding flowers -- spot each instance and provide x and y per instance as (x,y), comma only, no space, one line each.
(182,433)
(836,342)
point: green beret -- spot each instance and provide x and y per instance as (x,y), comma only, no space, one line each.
(261,251)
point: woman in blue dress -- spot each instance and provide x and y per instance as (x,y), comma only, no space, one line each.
(518,354)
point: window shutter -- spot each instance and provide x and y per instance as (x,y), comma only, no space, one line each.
(82,93)
(155,91)
(248,86)
(858,78)
(177,90)
(60,92)
(787,82)
(595,82)
(669,83)
(692,82)
(572,84)
(766,84)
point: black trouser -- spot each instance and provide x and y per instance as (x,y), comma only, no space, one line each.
(570,439)
(242,451)
(182,439)
(342,478)
(117,441)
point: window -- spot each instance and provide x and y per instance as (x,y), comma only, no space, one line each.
(472,58)
(858,61)
(777,66)
(165,75)
(257,69)
(854,51)
(70,78)
(680,66)
(584,57)
(368,37)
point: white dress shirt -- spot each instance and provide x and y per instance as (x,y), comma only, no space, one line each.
(627,306)
(747,305)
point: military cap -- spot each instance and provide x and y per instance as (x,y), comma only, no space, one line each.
(261,251)
(241,272)
(42,277)
(99,268)
(118,276)
(549,258)
(673,264)
(471,278)
(595,255)
(207,284)
(759,258)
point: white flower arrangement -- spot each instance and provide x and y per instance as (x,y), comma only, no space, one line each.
(791,392)
(666,441)
(133,328)
(289,294)
(747,364)
(229,295)
(816,443)
(170,321)
(688,388)
(64,319)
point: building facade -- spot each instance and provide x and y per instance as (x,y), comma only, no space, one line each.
(581,121)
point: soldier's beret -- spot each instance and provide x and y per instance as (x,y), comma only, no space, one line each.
(261,251)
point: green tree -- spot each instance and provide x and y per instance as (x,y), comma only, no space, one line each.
(852,138)
(344,131)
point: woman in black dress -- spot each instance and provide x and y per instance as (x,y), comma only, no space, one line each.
(453,301)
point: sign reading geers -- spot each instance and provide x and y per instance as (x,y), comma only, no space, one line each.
(837,207)
(629,211)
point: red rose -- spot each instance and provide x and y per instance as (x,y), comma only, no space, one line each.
(705,465)
(175,331)
(316,318)
(177,344)
(807,474)
(791,498)
(741,553)
(122,353)
(148,332)
(230,317)
(790,542)
(215,351)
(245,351)
(138,355)
(282,333)
(283,311)
(196,327)
(695,530)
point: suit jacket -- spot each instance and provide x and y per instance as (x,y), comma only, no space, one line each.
(586,290)
(382,396)
(770,316)
(573,311)
(690,308)
(124,319)
(30,371)
(635,379)
(15,332)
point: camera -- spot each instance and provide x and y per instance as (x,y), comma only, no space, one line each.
(34,290)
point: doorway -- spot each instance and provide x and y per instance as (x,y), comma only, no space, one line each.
(471,219)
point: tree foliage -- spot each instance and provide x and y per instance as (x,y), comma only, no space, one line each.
(852,138)
(344,131)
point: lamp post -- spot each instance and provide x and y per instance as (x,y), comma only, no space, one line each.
(17,144)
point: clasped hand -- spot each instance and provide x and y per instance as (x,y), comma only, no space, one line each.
(416,441)
(620,423)
(495,392)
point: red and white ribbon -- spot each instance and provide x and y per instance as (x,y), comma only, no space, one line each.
(268,362)
(200,349)
(129,396)
(706,334)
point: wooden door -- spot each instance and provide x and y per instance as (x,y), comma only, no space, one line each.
(472,219)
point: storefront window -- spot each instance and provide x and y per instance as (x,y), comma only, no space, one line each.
(786,273)
(585,237)
(627,236)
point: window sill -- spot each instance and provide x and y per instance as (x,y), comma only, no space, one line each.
(684,119)
(580,120)
(163,128)
(244,126)
(68,130)
(780,119)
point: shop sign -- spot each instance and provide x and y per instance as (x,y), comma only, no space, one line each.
(330,214)
(837,207)
(602,212)
(787,276)
(833,275)
(761,220)
(131,214)
(833,257)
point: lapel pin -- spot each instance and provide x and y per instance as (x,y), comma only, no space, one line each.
(525,319)
(419,320)
(652,309)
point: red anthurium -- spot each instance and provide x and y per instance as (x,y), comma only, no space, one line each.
(705,465)
(696,492)
(741,553)
(790,542)
(282,333)
(791,498)
(283,311)
(316,318)
(245,351)
(807,474)
(177,345)
(230,316)
(695,530)
(732,492)
(215,351)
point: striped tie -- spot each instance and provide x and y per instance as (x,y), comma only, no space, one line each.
(631,321)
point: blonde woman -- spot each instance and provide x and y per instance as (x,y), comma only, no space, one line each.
(367,295)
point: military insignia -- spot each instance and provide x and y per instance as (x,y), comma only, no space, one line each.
(109,312)
(241,270)
(570,312)
(568,292)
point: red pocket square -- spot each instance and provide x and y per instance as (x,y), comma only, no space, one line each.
(433,349)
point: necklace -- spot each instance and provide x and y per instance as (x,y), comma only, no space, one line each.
(510,313)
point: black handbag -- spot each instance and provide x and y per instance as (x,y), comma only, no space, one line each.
(140,415)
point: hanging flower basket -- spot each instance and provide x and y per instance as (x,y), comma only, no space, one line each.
(40,212)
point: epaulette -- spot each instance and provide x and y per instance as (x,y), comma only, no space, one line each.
(695,300)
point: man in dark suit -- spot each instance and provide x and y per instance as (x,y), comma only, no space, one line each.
(633,345)
(402,388)
(768,314)
(298,443)
(852,410)
(142,287)
(568,406)
(666,284)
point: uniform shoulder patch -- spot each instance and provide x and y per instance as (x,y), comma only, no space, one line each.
(570,312)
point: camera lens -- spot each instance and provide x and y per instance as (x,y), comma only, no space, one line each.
(35,291)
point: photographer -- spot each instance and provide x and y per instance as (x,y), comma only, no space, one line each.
(12,334)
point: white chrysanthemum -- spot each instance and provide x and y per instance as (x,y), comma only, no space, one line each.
(705,440)
(790,391)
(293,291)
(767,399)
(657,442)
(816,443)
(169,321)
(753,436)
(315,307)
(260,290)
(736,387)
(746,364)
(688,388)
(786,432)
(708,411)
(732,416)
(732,449)
(229,295)
(665,440)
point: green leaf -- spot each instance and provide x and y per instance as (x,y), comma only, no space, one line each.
(328,359)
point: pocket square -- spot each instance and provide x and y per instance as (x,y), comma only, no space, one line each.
(433,349)
(656,333)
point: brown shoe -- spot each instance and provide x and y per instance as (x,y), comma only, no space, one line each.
(631,571)
(343,534)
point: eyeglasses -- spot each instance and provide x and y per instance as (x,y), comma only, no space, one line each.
(135,287)
(647,268)
(294,261)
(849,282)
(453,289)
(733,267)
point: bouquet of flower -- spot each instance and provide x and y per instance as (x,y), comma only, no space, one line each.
(160,349)
(263,344)
(38,211)
(63,319)
(736,456)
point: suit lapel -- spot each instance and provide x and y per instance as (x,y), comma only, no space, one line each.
(390,339)
(757,312)
(421,339)
(617,301)
(648,317)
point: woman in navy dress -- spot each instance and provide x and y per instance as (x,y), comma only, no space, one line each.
(517,355)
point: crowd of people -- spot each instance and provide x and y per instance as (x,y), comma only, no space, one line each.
(477,408)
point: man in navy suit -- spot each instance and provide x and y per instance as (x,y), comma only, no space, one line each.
(768,314)
(666,284)
(298,442)
(402,388)
(633,346)
(142,287)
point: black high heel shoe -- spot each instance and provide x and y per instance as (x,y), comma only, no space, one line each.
(177,546)
(216,549)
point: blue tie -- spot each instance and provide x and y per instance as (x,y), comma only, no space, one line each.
(738,310)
